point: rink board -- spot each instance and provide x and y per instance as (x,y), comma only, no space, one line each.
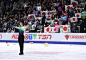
(51,38)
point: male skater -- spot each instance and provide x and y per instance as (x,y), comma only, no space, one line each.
(21,36)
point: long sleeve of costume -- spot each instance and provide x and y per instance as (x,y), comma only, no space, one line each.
(16,27)
(21,29)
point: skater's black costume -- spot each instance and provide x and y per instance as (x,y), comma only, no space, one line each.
(21,37)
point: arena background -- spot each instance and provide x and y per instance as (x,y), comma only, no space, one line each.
(57,29)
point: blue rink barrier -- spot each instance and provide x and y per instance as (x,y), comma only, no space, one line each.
(50,42)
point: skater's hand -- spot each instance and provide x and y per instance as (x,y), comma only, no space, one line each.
(14,26)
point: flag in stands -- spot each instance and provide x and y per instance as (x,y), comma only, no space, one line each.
(52,12)
(27,29)
(68,7)
(65,14)
(78,15)
(50,30)
(44,12)
(48,16)
(36,13)
(26,19)
(47,29)
(49,21)
(74,19)
(31,16)
(79,9)
(38,18)
(64,28)
(69,21)
(56,19)
(57,26)
(55,4)
(74,3)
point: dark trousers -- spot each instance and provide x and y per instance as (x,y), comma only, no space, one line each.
(21,42)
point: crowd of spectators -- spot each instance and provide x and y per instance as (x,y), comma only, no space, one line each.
(14,12)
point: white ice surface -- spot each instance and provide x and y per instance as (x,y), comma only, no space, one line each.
(40,52)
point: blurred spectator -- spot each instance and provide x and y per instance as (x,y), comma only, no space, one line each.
(15,5)
(43,19)
(8,30)
(74,29)
(84,30)
(1,30)
(70,13)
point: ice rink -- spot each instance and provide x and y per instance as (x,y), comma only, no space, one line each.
(40,52)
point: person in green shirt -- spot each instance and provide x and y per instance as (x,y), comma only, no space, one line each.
(21,37)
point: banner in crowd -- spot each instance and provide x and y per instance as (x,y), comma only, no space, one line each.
(36,13)
(65,29)
(50,30)
(54,38)
(57,26)
(78,15)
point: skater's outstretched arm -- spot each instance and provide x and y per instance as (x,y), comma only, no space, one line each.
(24,27)
(16,27)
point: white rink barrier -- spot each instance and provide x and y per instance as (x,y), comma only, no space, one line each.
(52,38)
